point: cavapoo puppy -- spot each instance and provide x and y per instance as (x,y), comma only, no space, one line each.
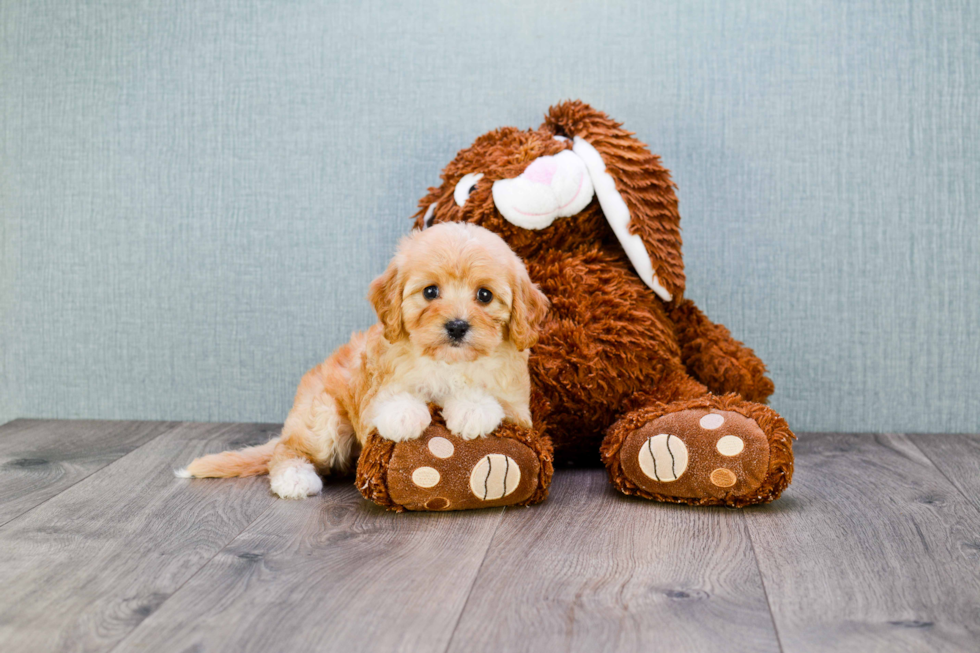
(457,314)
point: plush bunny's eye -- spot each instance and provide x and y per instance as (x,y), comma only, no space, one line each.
(466,186)
(430,216)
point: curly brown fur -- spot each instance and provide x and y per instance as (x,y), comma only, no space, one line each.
(716,359)
(372,471)
(609,342)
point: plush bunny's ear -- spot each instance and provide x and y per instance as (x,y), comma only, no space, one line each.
(634,190)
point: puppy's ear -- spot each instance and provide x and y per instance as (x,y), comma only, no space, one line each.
(527,312)
(634,190)
(385,295)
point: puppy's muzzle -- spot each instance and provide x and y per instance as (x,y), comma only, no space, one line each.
(456,329)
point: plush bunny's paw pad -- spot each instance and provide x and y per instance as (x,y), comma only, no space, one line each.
(440,471)
(697,453)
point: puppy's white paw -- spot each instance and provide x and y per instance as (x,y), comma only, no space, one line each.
(401,418)
(295,480)
(473,417)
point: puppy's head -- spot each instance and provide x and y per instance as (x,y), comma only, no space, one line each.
(457,292)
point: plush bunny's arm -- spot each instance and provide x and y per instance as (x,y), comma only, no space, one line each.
(713,357)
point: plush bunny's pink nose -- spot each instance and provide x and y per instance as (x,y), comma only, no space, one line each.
(541,170)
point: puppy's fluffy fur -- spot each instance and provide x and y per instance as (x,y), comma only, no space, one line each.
(384,378)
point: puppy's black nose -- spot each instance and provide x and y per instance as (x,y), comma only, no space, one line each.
(457,329)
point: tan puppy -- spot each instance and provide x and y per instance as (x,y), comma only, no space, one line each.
(457,314)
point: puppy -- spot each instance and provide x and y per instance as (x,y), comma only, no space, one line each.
(457,314)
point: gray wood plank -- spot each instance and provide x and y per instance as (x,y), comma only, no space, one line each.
(870,549)
(40,458)
(80,571)
(334,574)
(592,570)
(957,457)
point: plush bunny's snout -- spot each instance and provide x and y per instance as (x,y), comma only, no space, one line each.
(551,187)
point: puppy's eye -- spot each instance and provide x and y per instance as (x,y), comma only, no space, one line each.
(484,296)
(430,292)
(466,186)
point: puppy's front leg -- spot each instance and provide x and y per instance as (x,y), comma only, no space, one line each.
(399,417)
(472,415)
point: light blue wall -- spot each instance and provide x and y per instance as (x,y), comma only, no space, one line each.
(195,195)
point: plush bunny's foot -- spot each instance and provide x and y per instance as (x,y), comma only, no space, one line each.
(712,450)
(440,471)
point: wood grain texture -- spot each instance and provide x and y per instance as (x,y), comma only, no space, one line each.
(335,574)
(958,458)
(592,570)
(875,547)
(80,571)
(871,549)
(40,458)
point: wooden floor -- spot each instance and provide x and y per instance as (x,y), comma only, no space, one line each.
(875,547)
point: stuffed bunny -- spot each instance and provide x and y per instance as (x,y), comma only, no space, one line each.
(625,368)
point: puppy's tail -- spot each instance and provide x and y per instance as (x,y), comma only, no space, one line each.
(250,461)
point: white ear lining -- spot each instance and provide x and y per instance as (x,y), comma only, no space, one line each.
(618,216)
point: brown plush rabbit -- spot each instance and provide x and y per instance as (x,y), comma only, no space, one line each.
(624,366)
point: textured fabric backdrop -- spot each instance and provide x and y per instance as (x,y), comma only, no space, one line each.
(195,195)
